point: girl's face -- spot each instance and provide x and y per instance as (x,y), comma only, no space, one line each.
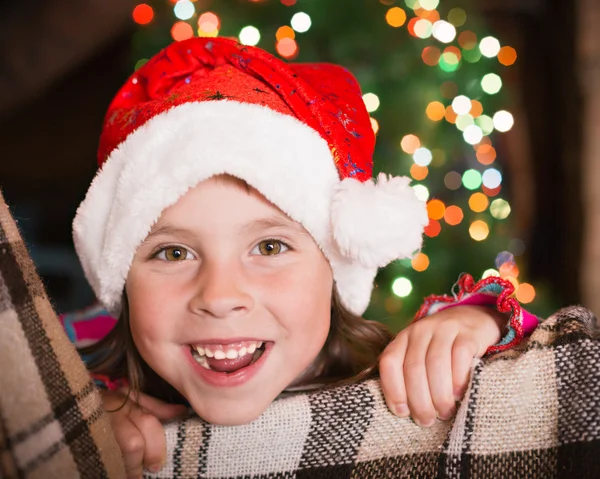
(229,300)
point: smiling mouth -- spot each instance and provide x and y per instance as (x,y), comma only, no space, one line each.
(223,360)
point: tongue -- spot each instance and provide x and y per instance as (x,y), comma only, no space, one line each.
(229,365)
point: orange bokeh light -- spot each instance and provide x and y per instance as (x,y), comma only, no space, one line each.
(411,26)
(467,40)
(420,262)
(143,14)
(395,17)
(208,22)
(431,56)
(435,111)
(419,173)
(486,154)
(181,31)
(492,191)
(285,32)
(507,56)
(525,293)
(436,209)
(410,143)
(433,228)
(450,115)
(476,108)
(287,48)
(453,215)
(509,269)
(478,202)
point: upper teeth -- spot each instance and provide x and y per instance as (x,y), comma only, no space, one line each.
(219,351)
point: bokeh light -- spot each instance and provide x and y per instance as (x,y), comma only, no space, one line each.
(423,28)
(433,229)
(374,125)
(479,230)
(410,143)
(491,83)
(491,178)
(249,35)
(422,156)
(453,180)
(184,9)
(431,56)
(467,40)
(463,121)
(395,17)
(453,215)
(444,31)
(489,47)
(420,262)
(472,134)
(476,108)
(402,287)
(507,56)
(478,202)
(181,31)
(486,154)
(435,111)
(461,105)
(371,101)
(489,272)
(457,17)
(449,62)
(525,293)
(436,209)
(208,25)
(285,31)
(418,173)
(287,48)
(301,22)
(471,179)
(500,209)
(143,14)
(503,120)
(485,123)
(450,115)
(429,4)
(421,191)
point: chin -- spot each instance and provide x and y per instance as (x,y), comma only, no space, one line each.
(226,413)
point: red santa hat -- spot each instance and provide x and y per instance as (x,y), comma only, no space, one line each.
(298,133)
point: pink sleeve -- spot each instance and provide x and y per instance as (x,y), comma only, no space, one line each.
(494,292)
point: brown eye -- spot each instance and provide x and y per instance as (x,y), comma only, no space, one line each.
(174,253)
(269,247)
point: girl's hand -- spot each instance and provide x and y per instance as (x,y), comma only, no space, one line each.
(425,369)
(138,429)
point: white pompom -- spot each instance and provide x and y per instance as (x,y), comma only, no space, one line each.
(377,223)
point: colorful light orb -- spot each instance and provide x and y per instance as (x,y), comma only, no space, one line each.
(471,179)
(208,25)
(395,17)
(492,178)
(503,120)
(421,192)
(476,109)
(450,115)
(486,154)
(457,17)
(449,62)
(402,287)
(478,202)
(453,180)
(287,48)
(436,209)
(285,31)
(418,173)
(479,230)
(249,35)
(503,257)
(467,40)
(412,4)
(301,22)
(491,83)
(485,123)
(453,215)
(472,134)
(431,56)
(184,9)
(444,31)
(374,125)
(461,105)
(429,4)
(371,102)
(423,28)
(472,56)
(463,121)
(435,111)
(500,209)
(525,293)
(181,31)
(433,229)
(422,156)
(490,272)
(410,143)
(489,47)
(420,262)
(507,56)
(143,14)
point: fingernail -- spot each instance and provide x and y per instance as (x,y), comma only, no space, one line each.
(447,415)
(401,410)
(427,423)
(156,467)
(459,394)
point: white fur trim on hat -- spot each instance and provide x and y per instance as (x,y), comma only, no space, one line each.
(284,159)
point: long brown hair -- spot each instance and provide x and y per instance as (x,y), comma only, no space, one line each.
(350,354)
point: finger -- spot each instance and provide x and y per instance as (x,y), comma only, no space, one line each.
(463,352)
(439,374)
(392,376)
(162,410)
(415,379)
(153,434)
(131,442)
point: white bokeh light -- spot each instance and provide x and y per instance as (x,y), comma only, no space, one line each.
(489,47)
(443,31)
(184,9)
(371,101)
(402,287)
(461,105)
(421,191)
(301,22)
(249,35)
(492,178)
(503,121)
(422,156)
(472,134)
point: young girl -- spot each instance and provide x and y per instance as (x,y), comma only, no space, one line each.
(235,230)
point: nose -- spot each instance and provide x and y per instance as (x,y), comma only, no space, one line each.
(220,292)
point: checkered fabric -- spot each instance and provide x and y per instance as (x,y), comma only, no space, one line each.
(52,424)
(533,412)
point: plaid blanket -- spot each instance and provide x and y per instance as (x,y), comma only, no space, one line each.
(52,424)
(533,412)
